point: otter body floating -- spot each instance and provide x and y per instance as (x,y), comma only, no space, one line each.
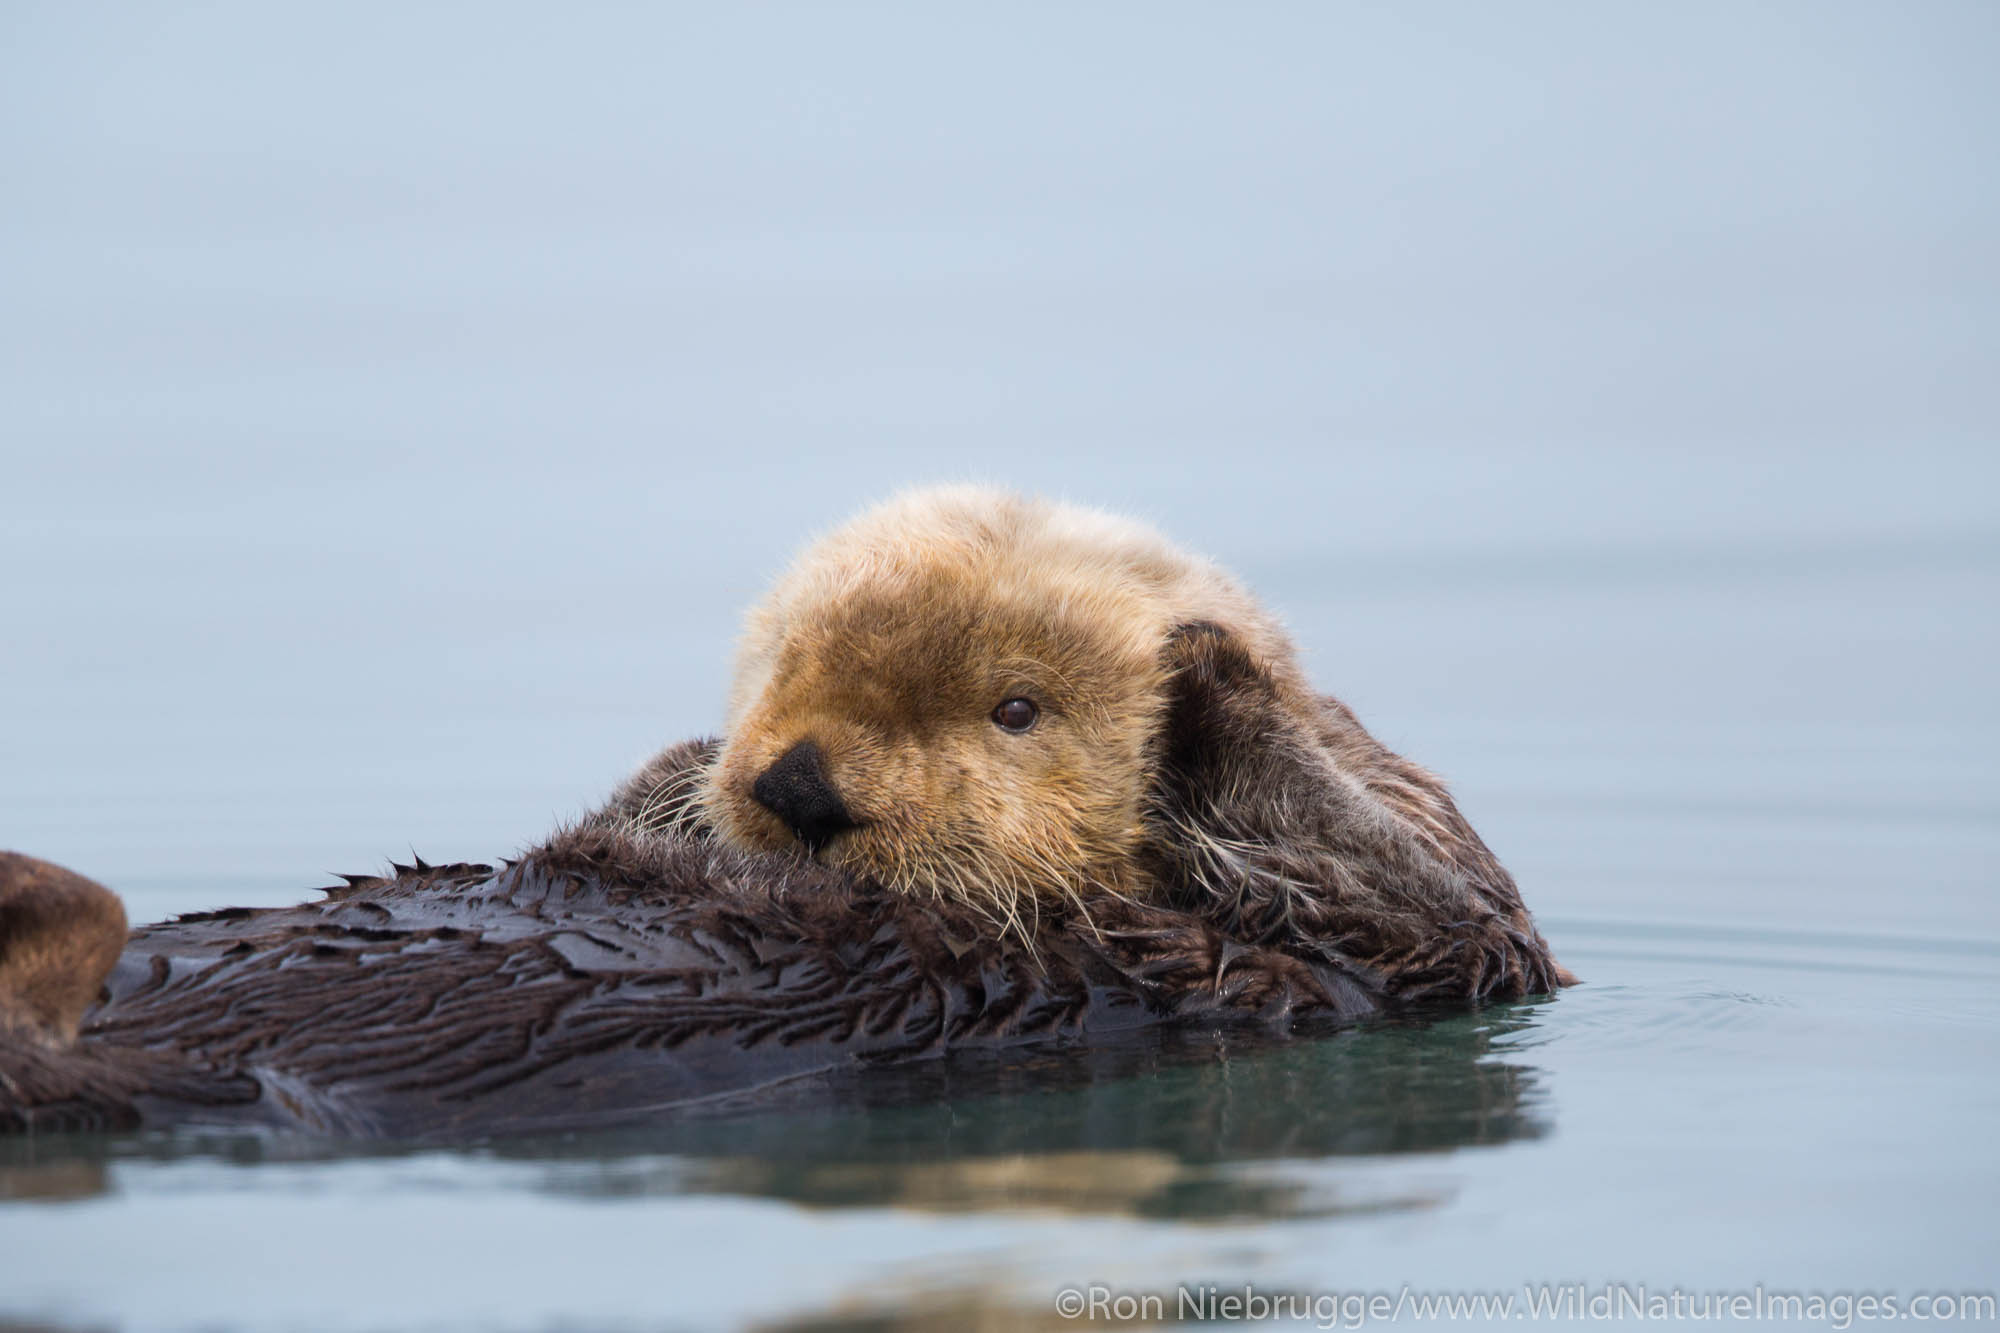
(1001,775)
(596,981)
(611,976)
(627,970)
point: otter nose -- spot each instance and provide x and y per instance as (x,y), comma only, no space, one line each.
(795,789)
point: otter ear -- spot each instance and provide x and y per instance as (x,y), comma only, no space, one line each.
(60,934)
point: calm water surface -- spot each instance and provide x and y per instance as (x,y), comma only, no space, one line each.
(395,424)
(1781,1068)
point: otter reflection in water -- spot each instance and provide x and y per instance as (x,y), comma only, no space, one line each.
(1155,1126)
(1158,1123)
(1157,826)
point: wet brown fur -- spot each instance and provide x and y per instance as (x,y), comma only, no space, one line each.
(605,978)
(1181,757)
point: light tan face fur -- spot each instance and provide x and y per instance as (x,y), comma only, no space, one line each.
(889,645)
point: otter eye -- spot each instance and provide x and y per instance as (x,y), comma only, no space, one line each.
(1016,715)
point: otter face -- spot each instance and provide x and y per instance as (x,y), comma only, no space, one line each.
(958,694)
(938,734)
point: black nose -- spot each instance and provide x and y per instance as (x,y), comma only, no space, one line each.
(795,789)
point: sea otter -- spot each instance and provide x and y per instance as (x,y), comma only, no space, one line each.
(1028,707)
(1001,776)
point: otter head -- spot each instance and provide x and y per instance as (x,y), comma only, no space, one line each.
(964,693)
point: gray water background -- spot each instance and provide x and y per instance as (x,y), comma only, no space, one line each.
(398,405)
